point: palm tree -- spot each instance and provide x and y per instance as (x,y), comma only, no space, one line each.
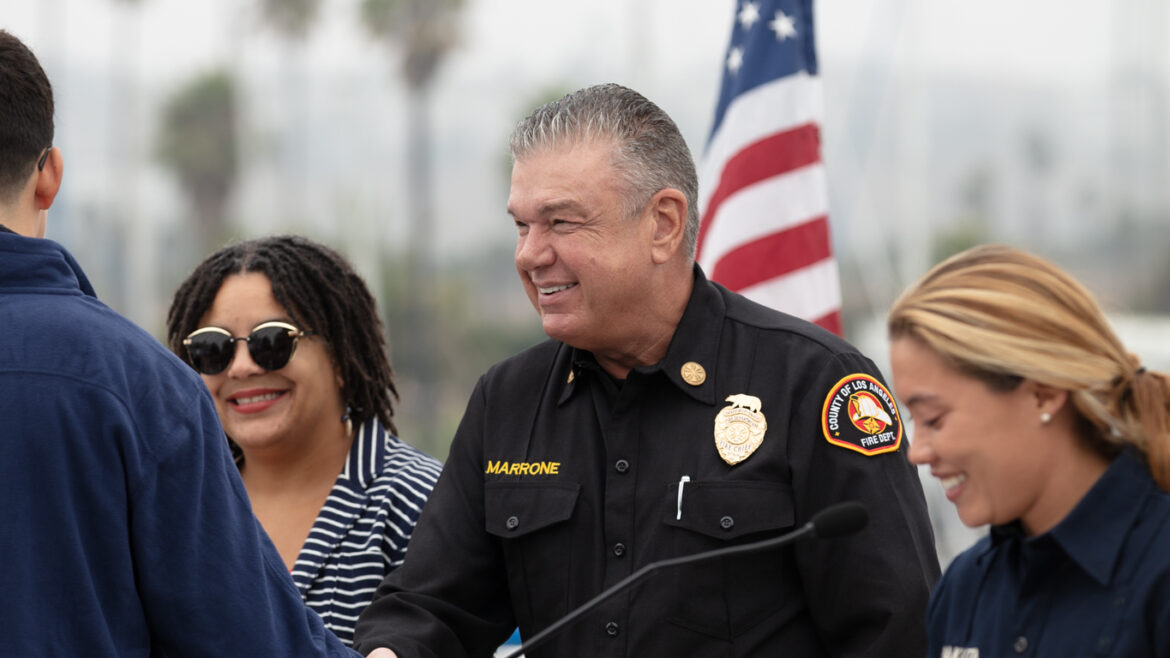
(292,21)
(422,32)
(197,141)
(291,18)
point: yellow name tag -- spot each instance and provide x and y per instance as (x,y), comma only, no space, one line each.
(522,468)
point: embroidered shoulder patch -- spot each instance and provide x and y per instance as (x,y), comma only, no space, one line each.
(861,415)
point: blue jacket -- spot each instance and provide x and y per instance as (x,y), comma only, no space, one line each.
(124,527)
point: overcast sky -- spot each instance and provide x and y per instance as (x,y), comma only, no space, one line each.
(512,50)
(532,39)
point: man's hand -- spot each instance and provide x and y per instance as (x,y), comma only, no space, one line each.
(382,653)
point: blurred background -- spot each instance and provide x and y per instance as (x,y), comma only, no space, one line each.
(380,127)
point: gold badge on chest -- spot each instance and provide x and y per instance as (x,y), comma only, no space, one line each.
(739,428)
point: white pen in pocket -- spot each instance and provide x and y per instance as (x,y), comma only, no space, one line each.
(682,481)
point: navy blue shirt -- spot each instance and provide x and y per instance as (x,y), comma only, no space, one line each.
(1097,584)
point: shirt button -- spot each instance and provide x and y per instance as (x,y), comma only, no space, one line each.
(621,466)
(619,549)
(1021,644)
(512,522)
(612,629)
(727,523)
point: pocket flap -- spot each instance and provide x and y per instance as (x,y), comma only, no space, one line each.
(514,509)
(730,509)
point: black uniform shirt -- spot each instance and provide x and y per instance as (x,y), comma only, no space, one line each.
(562,482)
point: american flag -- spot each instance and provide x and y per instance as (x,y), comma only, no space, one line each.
(763,197)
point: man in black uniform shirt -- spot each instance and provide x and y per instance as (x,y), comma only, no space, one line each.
(665,416)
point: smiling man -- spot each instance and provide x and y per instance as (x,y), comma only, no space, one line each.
(681,418)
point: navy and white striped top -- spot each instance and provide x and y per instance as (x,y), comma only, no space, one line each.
(361,533)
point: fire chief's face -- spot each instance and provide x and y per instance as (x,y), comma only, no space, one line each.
(586,264)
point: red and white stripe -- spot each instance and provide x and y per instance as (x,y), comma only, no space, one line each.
(764,203)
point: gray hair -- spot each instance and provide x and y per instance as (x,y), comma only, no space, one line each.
(649,152)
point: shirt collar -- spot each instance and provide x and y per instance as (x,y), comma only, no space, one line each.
(695,343)
(1095,531)
(39,263)
(365,453)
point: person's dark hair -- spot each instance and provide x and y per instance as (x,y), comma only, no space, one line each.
(649,152)
(322,293)
(26,114)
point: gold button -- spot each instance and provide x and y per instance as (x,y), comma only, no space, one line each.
(693,373)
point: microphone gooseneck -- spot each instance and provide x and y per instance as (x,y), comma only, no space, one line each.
(834,521)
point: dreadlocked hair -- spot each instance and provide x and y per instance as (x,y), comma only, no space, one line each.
(322,293)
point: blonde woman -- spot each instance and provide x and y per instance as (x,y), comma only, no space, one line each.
(1037,421)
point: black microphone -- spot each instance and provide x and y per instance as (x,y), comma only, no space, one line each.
(840,520)
(833,521)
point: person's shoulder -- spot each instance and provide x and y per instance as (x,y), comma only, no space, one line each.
(1157,511)
(531,363)
(402,479)
(96,344)
(399,458)
(969,565)
(106,372)
(965,571)
(142,354)
(106,363)
(541,352)
(783,327)
(1153,564)
(523,379)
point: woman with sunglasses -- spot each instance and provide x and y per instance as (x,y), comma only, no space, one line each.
(1038,422)
(288,341)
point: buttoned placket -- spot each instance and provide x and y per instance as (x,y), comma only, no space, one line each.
(619,418)
(1040,565)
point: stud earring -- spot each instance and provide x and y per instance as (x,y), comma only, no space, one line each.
(1045,417)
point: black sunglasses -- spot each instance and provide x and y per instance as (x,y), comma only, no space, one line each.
(44,156)
(271,346)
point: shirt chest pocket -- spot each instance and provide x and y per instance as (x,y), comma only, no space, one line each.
(531,520)
(726,510)
(517,509)
(727,597)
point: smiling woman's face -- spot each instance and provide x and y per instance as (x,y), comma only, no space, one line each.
(981,444)
(278,409)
